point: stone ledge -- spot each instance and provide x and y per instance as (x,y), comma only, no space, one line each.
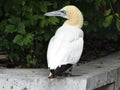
(102,73)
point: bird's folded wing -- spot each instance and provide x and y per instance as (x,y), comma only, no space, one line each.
(61,53)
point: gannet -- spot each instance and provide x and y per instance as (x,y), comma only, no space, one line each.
(66,46)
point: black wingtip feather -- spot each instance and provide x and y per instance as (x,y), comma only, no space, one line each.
(59,71)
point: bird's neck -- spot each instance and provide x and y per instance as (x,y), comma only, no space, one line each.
(77,23)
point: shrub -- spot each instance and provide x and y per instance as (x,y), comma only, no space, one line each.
(25,31)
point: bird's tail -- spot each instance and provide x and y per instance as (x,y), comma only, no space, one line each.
(59,70)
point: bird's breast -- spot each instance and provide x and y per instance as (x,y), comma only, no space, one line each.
(67,33)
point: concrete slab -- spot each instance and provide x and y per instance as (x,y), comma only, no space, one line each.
(91,76)
(35,79)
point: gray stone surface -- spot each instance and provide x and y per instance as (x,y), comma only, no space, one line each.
(90,76)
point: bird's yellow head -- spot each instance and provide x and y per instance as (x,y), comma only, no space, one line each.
(71,13)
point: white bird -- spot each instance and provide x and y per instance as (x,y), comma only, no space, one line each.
(66,46)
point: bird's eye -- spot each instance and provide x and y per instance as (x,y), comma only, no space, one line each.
(63,11)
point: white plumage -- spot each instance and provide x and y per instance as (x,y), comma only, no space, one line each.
(65,47)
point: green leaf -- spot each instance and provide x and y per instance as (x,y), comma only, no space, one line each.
(3,24)
(107,12)
(118,24)
(108,21)
(43,23)
(23,2)
(10,29)
(33,19)
(21,28)
(117,15)
(53,20)
(14,20)
(86,23)
(44,5)
(27,39)
(98,4)
(18,40)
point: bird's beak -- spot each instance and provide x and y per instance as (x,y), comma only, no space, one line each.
(61,13)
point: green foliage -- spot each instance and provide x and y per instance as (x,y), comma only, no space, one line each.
(25,31)
(108,20)
(102,17)
(118,24)
(23,40)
